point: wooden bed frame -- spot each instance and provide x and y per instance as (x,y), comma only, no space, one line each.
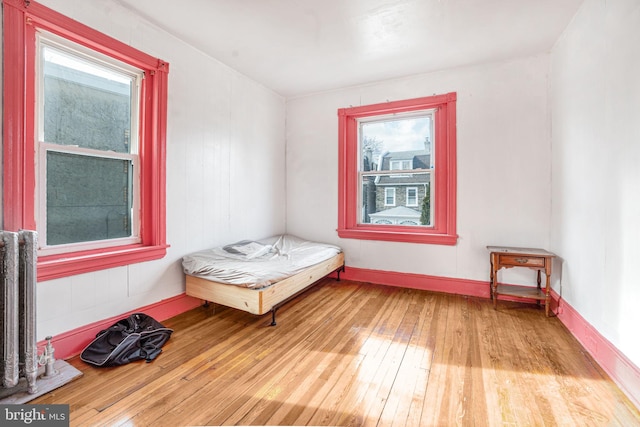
(264,300)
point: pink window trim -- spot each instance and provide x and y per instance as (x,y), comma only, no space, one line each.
(444,232)
(20,21)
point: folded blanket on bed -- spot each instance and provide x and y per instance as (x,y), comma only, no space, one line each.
(256,264)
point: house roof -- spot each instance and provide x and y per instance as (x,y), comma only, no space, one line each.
(412,179)
(420,160)
(397,212)
(404,155)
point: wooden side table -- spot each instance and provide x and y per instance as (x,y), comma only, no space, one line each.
(508,257)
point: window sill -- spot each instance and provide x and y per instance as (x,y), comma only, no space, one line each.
(405,235)
(57,266)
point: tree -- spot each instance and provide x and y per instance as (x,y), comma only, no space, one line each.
(371,148)
(425,216)
(372,143)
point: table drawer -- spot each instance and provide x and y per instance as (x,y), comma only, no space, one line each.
(521,260)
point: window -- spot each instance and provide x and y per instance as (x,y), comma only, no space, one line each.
(412,196)
(400,165)
(389,196)
(84,160)
(87,143)
(405,148)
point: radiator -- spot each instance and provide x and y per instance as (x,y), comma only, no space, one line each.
(18,308)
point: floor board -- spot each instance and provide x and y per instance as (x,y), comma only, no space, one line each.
(356,354)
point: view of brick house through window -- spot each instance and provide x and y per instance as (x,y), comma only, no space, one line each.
(396,169)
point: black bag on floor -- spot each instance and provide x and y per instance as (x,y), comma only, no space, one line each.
(136,337)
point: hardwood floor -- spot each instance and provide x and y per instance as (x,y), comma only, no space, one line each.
(356,354)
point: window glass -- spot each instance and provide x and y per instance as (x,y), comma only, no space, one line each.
(399,143)
(88,198)
(87,105)
(390,197)
(412,196)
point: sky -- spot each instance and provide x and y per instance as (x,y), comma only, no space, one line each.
(402,134)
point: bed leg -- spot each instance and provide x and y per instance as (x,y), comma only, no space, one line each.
(273,317)
(206,304)
(341,269)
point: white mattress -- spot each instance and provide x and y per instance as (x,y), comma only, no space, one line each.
(256,264)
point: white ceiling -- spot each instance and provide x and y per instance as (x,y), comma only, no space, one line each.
(297,47)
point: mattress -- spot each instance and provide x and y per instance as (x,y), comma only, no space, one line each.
(257,264)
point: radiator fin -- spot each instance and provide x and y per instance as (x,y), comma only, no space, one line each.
(18,304)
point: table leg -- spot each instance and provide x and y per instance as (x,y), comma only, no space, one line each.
(547,299)
(539,281)
(491,278)
(494,286)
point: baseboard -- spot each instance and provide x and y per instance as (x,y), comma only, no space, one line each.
(71,343)
(475,288)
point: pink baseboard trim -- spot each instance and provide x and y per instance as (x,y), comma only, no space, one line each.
(71,343)
(621,370)
(476,288)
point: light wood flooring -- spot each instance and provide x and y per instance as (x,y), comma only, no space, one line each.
(356,354)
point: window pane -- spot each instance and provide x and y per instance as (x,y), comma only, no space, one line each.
(85,104)
(390,196)
(88,198)
(412,196)
(397,144)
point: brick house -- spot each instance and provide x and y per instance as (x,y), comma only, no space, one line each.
(399,196)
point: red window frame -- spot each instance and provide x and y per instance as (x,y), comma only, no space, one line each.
(21,21)
(444,230)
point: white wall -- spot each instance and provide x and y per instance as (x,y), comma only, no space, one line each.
(503,167)
(225,172)
(595,104)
